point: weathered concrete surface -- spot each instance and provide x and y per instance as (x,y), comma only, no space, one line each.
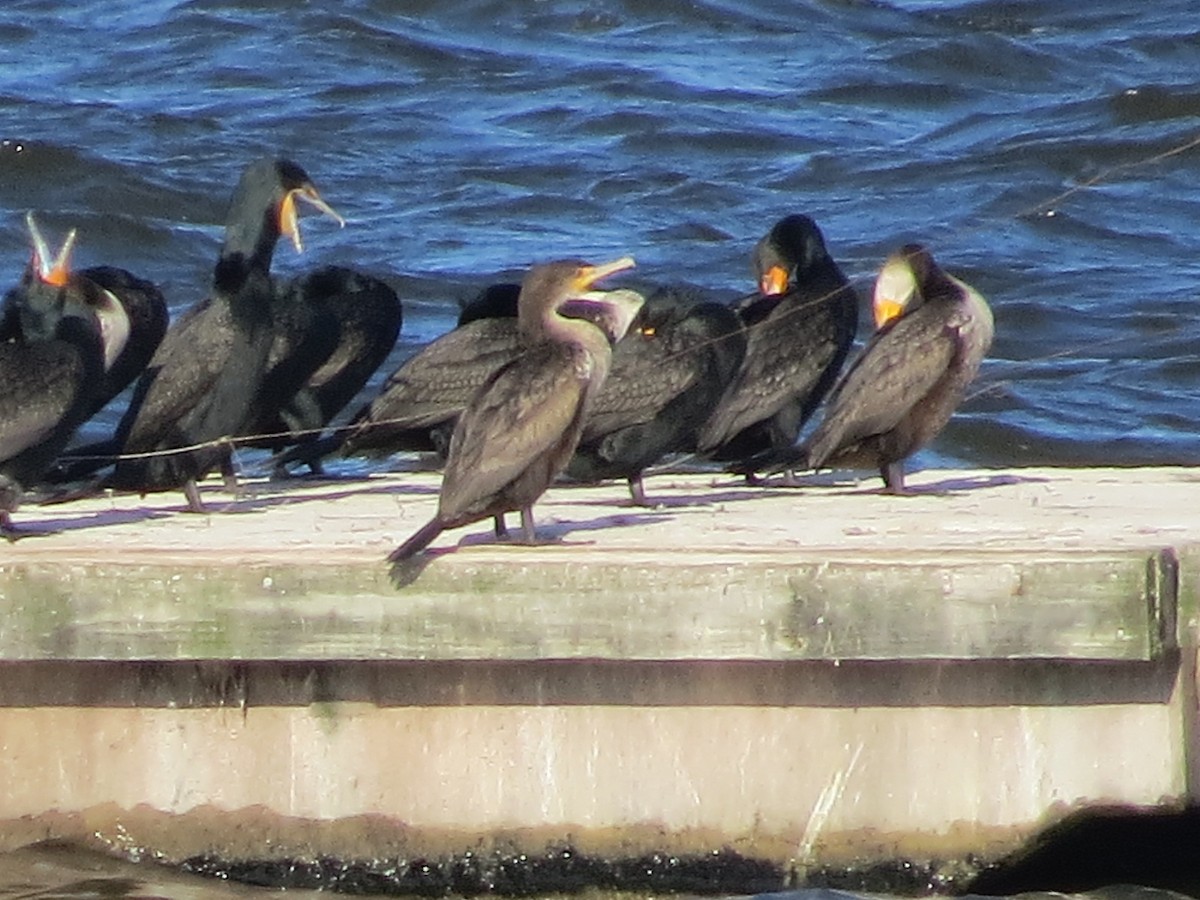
(1030,563)
(806,676)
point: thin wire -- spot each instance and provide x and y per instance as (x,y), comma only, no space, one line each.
(1103,177)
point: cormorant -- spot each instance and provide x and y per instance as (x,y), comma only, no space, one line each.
(933,331)
(348,323)
(205,383)
(67,329)
(520,428)
(418,404)
(145,311)
(799,332)
(680,353)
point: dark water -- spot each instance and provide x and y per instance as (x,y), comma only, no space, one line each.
(62,872)
(466,139)
(1030,144)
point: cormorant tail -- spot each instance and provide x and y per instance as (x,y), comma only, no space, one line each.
(418,542)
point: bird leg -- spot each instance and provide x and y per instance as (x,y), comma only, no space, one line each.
(528,531)
(637,490)
(893,479)
(228,472)
(192,492)
(499,527)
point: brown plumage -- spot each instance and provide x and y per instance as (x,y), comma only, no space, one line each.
(520,428)
(933,333)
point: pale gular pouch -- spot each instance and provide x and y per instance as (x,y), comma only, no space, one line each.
(895,289)
(289,215)
(622,306)
(114,327)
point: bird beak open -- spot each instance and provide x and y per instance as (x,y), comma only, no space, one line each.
(589,275)
(774,281)
(50,271)
(289,215)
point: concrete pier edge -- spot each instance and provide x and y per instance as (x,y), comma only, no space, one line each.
(764,684)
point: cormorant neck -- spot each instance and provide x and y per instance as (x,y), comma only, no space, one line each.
(579,332)
(253,243)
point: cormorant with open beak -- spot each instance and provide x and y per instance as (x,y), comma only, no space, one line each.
(520,428)
(67,332)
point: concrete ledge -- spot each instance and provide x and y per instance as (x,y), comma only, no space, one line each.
(983,566)
(798,677)
(970,606)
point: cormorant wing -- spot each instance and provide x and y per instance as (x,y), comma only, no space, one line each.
(521,414)
(41,382)
(182,371)
(640,384)
(899,365)
(437,382)
(773,371)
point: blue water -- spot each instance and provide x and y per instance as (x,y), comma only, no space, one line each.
(1029,144)
(464,140)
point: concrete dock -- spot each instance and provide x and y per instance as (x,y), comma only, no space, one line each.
(776,680)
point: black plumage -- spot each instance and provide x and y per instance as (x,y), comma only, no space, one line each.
(418,404)
(65,330)
(679,355)
(933,332)
(145,311)
(520,428)
(338,326)
(205,383)
(799,332)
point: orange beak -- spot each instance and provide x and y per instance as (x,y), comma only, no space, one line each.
(289,215)
(886,310)
(774,281)
(56,271)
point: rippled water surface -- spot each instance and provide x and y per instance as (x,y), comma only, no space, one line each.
(1043,150)
(1031,145)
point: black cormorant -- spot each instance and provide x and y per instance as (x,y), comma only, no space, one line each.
(67,331)
(679,355)
(205,383)
(933,331)
(799,331)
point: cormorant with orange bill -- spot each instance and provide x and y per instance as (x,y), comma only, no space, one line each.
(66,331)
(799,332)
(520,428)
(933,332)
(145,310)
(206,381)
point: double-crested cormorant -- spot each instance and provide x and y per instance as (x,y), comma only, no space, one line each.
(799,332)
(205,383)
(145,311)
(418,404)
(520,428)
(52,368)
(344,323)
(933,332)
(680,353)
